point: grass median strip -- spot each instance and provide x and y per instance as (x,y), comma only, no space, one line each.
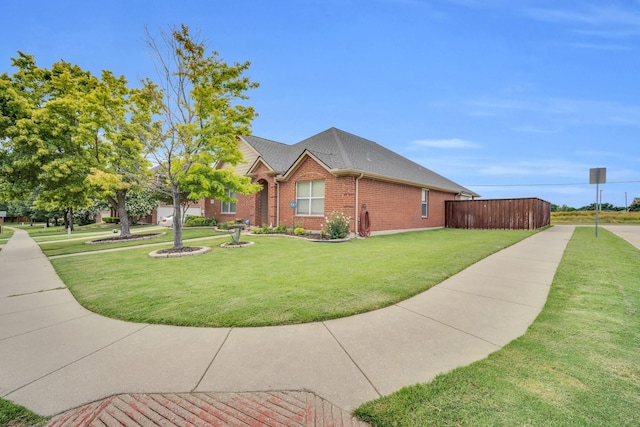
(63,247)
(578,365)
(12,415)
(278,280)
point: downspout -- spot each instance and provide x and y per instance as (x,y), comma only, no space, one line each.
(357,210)
(275,181)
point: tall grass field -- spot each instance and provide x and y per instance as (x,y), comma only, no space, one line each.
(589,217)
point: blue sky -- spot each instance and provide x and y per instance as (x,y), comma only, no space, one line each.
(514,98)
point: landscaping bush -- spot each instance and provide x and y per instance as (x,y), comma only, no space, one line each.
(110,219)
(337,226)
(199,221)
(267,229)
(298,231)
(263,230)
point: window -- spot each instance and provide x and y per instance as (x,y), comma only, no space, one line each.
(229,207)
(310,198)
(425,203)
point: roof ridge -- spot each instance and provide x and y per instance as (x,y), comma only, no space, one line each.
(265,139)
(343,152)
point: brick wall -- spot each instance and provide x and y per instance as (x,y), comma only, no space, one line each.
(339,195)
(399,207)
(248,205)
(391,206)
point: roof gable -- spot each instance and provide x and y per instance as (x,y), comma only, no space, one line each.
(275,155)
(301,158)
(344,153)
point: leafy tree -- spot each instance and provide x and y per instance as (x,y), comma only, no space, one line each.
(591,207)
(43,138)
(201,118)
(608,207)
(563,208)
(121,118)
(140,204)
(67,133)
(635,207)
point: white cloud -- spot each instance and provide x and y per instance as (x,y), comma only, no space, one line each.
(599,154)
(598,46)
(557,113)
(594,16)
(446,143)
(538,129)
(538,168)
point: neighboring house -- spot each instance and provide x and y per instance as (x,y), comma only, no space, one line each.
(337,171)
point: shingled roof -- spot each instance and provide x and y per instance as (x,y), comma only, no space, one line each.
(344,153)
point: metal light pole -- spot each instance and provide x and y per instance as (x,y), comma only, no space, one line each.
(600,202)
(597,192)
(597,176)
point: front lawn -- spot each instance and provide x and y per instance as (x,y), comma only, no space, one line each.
(12,415)
(279,280)
(5,235)
(39,229)
(578,364)
(65,247)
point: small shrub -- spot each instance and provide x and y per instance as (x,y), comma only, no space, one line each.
(298,231)
(199,221)
(337,226)
(110,219)
(262,230)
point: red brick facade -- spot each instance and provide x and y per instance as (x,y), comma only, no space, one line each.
(395,206)
(391,206)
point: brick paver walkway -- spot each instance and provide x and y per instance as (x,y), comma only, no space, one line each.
(291,408)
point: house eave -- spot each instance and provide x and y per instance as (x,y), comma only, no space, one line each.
(390,179)
(301,158)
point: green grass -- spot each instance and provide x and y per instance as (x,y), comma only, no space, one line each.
(278,280)
(65,247)
(17,416)
(5,235)
(38,230)
(578,364)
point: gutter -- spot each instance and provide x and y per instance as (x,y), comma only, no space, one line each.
(386,178)
(277,202)
(356,212)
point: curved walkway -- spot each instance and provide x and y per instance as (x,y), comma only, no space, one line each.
(56,355)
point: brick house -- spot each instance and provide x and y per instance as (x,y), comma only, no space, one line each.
(337,171)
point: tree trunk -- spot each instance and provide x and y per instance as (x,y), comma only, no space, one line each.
(177,220)
(69,219)
(118,204)
(122,213)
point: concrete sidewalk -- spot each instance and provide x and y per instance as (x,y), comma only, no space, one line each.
(56,355)
(630,233)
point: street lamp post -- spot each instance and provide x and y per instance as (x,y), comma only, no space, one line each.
(597,176)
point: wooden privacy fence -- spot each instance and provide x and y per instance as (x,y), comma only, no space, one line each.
(502,214)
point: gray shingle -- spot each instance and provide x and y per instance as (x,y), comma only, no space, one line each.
(276,154)
(343,151)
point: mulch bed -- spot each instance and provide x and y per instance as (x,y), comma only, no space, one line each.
(184,249)
(125,239)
